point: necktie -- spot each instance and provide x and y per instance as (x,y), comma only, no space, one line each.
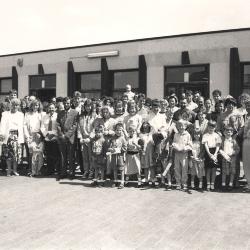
(50,124)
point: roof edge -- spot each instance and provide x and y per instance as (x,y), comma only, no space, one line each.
(129,41)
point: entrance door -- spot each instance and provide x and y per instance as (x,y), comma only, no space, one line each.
(43,86)
(44,95)
(179,79)
(179,88)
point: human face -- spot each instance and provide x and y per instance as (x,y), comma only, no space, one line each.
(208,104)
(98,133)
(172,102)
(183,104)
(201,116)
(105,113)
(77,101)
(87,108)
(128,88)
(66,105)
(189,97)
(14,107)
(200,102)
(230,107)
(35,107)
(210,129)
(228,133)
(118,110)
(118,131)
(181,127)
(131,132)
(132,110)
(196,97)
(51,109)
(13,95)
(197,137)
(216,97)
(219,107)
(155,109)
(248,107)
(125,99)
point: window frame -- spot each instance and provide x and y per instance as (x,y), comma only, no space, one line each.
(5,78)
(178,84)
(78,82)
(122,90)
(243,86)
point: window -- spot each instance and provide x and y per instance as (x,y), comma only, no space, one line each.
(89,84)
(123,77)
(43,86)
(245,76)
(178,79)
(5,87)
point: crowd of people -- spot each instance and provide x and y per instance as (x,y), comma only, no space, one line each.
(182,142)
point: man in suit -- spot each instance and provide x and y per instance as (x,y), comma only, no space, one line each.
(50,133)
(67,124)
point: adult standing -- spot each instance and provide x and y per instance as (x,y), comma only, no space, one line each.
(50,133)
(32,126)
(67,124)
(246,145)
(11,134)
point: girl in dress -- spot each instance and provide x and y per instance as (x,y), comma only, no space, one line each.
(197,159)
(36,148)
(212,142)
(133,164)
(147,149)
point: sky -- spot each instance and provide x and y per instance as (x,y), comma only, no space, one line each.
(31,25)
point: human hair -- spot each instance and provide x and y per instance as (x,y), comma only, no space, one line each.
(212,123)
(65,99)
(132,104)
(189,92)
(33,103)
(15,101)
(216,91)
(118,125)
(145,128)
(77,94)
(231,100)
(13,91)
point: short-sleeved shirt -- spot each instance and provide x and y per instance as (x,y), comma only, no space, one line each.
(213,140)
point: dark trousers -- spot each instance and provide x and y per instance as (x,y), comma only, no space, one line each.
(53,157)
(67,151)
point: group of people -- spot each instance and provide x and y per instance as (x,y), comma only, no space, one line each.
(184,141)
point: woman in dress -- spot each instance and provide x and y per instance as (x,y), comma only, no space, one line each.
(11,134)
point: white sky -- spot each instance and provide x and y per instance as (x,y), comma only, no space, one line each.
(28,25)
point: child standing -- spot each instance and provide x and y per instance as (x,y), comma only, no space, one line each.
(229,151)
(197,161)
(212,142)
(12,152)
(182,143)
(147,149)
(36,150)
(133,164)
(98,146)
(117,149)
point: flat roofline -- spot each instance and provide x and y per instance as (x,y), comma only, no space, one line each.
(129,41)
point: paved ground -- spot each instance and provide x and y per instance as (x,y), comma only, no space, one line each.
(40,213)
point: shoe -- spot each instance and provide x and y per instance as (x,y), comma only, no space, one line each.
(100,184)
(192,185)
(208,187)
(212,187)
(85,175)
(71,176)
(185,188)
(139,184)
(178,187)
(15,173)
(113,184)
(94,183)
(200,185)
(121,186)
(8,175)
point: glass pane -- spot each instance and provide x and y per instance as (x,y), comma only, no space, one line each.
(91,81)
(247,75)
(6,85)
(92,94)
(121,79)
(187,74)
(45,81)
